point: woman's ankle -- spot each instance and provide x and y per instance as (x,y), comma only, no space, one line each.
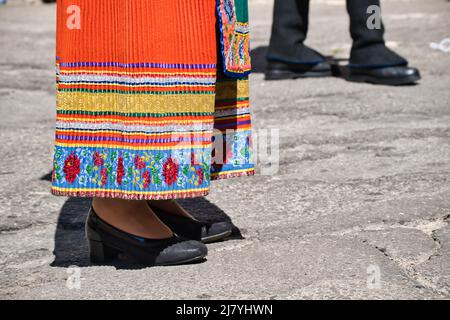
(134,217)
(170,206)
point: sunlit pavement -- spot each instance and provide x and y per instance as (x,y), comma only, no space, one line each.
(359,207)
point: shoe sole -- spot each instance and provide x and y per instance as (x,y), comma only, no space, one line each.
(217,237)
(187,261)
(391,82)
(117,252)
(344,72)
(271,76)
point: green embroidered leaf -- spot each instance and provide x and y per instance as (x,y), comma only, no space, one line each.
(88,168)
(157,180)
(185,171)
(158,157)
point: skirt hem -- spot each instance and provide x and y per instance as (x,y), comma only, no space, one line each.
(128,196)
(142,196)
(232,175)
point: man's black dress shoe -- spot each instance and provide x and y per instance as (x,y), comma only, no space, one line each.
(207,232)
(392,76)
(106,242)
(277,70)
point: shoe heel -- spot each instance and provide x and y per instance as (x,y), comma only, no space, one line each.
(100,253)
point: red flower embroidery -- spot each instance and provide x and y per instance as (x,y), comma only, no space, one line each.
(230,156)
(199,173)
(71,167)
(170,171)
(120,170)
(104,174)
(147,179)
(98,160)
(139,163)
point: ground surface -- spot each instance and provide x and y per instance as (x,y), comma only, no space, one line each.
(363,184)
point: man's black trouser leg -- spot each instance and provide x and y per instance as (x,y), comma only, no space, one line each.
(289,29)
(369,49)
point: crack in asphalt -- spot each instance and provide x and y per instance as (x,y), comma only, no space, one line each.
(409,266)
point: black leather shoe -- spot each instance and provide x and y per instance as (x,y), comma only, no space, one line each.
(194,229)
(277,70)
(106,242)
(392,76)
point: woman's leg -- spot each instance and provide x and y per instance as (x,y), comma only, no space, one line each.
(131,216)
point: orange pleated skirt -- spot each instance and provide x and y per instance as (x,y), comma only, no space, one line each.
(143,109)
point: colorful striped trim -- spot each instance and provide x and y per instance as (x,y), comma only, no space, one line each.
(129,195)
(112,72)
(123,80)
(143,147)
(131,92)
(136,102)
(156,130)
(137,65)
(133,114)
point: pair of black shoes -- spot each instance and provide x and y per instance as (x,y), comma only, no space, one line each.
(106,242)
(394,75)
